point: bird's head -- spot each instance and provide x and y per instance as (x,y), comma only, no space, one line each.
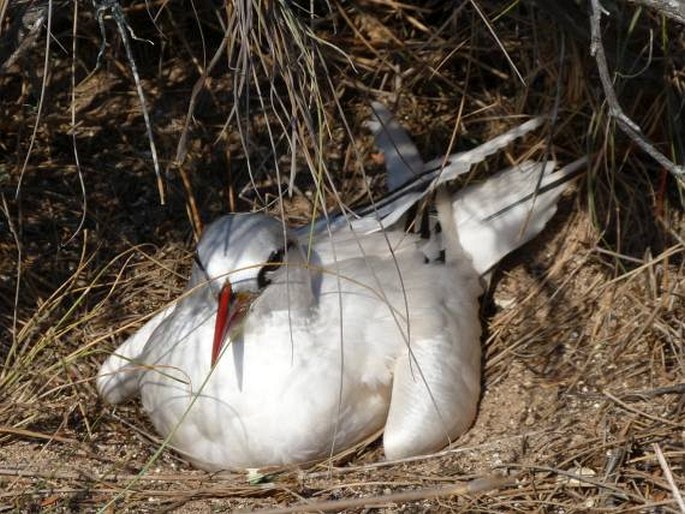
(241,255)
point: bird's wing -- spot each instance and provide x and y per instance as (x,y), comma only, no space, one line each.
(118,377)
(508,209)
(436,386)
(421,328)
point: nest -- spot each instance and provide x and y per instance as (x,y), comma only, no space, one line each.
(133,124)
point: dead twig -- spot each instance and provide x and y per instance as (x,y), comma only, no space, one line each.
(113,6)
(669,476)
(628,126)
(674,10)
(31,24)
(41,101)
(640,412)
(472,487)
(658,391)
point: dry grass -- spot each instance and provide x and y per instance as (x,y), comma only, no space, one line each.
(585,363)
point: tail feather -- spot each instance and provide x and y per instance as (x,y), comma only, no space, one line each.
(402,159)
(117,379)
(509,209)
(450,167)
(409,178)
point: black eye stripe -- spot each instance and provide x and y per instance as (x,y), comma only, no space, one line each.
(272,264)
(274,261)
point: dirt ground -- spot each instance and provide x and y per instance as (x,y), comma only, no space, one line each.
(584,361)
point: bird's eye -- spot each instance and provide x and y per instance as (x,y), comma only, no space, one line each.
(274,262)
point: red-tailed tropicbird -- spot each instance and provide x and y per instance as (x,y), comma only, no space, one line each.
(290,345)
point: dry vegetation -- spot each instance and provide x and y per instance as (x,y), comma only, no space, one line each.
(585,358)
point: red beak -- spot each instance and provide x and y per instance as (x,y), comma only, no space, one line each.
(231,310)
(222,321)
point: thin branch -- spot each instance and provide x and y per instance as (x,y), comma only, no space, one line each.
(31,26)
(488,25)
(628,126)
(41,100)
(669,477)
(182,147)
(113,6)
(674,9)
(464,488)
(72,129)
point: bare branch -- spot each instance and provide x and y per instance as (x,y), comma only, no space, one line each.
(669,477)
(628,126)
(674,9)
(117,13)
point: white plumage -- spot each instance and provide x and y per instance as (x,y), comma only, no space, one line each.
(334,337)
